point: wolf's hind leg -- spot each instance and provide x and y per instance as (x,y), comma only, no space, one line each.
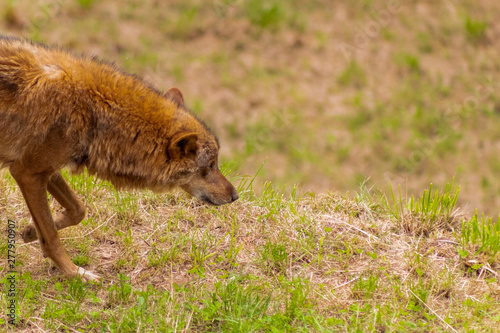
(74,210)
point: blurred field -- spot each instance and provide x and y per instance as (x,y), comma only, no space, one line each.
(329,93)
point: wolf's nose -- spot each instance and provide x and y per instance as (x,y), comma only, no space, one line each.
(234,195)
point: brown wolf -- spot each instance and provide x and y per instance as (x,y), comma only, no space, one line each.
(59,110)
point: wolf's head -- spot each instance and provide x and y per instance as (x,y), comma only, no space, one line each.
(194,150)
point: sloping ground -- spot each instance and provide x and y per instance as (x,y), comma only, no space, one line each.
(267,263)
(330,93)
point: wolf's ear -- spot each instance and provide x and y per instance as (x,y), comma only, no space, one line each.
(183,145)
(175,95)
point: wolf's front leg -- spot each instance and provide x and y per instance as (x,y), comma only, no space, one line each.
(74,209)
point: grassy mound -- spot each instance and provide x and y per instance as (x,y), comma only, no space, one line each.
(270,262)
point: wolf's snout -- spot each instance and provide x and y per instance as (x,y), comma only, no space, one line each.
(234,195)
(217,190)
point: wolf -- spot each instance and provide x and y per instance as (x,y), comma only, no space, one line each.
(58,110)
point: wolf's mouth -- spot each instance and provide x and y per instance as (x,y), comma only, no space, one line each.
(205,199)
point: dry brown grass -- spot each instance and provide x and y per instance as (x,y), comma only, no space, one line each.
(351,257)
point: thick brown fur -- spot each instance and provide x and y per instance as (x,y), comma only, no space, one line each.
(60,110)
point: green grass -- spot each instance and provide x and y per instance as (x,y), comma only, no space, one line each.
(271,262)
(265,14)
(353,75)
(480,238)
(409,61)
(432,210)
(86,4)
(475,29)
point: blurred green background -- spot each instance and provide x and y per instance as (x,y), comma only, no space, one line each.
(331,94)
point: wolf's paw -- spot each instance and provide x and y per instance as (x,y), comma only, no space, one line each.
(86,275)
(29,234)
